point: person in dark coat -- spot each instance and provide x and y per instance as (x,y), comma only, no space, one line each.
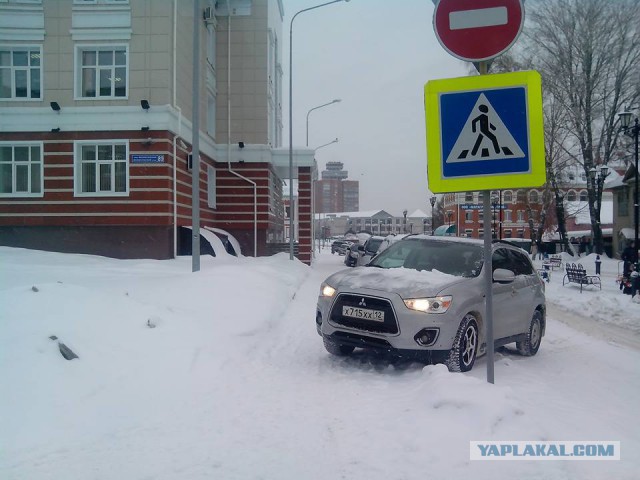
(629,257)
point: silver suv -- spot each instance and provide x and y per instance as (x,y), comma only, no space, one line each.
(424,297)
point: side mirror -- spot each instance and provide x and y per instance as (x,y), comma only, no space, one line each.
(361,248)
(502,275)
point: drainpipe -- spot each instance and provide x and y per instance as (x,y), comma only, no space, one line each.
(255,185)
(175,137)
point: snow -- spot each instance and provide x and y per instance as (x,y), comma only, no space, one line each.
(232,381)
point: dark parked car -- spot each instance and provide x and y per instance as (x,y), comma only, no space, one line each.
(338,246)
(359,255)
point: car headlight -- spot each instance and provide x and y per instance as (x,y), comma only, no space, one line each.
(429,305)
(327,290)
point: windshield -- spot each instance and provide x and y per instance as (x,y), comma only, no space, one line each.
(373,244)
(459,259)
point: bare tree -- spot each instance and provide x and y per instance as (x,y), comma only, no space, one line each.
(588,52)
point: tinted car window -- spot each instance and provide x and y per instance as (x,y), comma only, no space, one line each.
(373,244)
(459,259)
(501,259)
(521,264)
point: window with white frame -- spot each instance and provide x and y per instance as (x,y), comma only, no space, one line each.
(101,168)
(468,197)
(533,196)
(584,197)
(520,215)
(21,73)
(468,215)
(507,215)
(101,71)
(507,197)
(21,169)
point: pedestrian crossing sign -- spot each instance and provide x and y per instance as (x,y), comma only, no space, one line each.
(485,132)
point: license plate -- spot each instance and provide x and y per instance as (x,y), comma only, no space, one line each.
(363,313)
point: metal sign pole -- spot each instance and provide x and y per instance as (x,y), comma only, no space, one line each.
(488,269)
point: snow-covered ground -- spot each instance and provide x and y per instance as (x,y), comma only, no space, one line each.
(232,381)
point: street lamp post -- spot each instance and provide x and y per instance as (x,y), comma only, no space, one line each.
(432,200)
(598,176)
(633,131)
(326,144)
(449,215)
(316,108)
(494,204)
(404,229)
(291,232)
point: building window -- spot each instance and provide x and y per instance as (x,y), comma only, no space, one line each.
(583,196)
(468,215)
(520,215)
(571,196)
(468,232)
(468,197)
(507,197)
(521,196)
(506,233)
(21,170)
(101,71)
(623,202)
(507,215)
(533,196)
(21,73)
(101,169)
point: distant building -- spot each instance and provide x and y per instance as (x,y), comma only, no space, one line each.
(334,193)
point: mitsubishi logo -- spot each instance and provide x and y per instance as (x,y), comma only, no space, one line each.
(362,303)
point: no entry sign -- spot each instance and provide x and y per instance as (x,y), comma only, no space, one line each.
(477,30)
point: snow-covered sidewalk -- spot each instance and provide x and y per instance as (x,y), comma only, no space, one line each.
(233,382)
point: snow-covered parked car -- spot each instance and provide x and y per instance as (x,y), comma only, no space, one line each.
(359,255)
(424,297)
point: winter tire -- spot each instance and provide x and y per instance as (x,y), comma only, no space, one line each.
(465,346)
(337,348)
(530,345)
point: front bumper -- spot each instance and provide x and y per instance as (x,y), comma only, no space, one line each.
(403,330)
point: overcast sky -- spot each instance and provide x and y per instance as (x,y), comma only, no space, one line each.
(376,56)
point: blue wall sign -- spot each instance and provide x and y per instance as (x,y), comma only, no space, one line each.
(146,158)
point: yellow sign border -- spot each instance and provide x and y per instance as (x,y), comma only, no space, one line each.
(432,90)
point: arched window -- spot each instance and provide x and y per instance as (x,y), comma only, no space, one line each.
(571,196)
(521,196)
(583,196)
(533,196)
(507,196)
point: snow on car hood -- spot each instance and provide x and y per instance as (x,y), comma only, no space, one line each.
(406,282)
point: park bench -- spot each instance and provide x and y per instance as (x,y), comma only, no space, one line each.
(555,261)
(577,274)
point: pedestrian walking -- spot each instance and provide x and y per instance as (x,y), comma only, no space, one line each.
(629,257)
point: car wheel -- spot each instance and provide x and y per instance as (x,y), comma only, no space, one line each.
(530,345)
(337,348)
(465,346)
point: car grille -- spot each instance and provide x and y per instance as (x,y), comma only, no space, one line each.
(390,324)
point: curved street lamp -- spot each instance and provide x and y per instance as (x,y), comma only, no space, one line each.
(326,144)
(633,131)
(291,232)
(337,100)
